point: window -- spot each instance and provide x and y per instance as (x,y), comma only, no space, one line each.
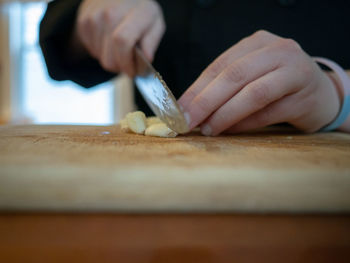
(27,94)
(48,101)
(26,91)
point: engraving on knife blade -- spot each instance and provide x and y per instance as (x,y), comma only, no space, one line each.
(158,98)
(157,94)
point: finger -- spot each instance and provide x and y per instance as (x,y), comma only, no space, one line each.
(283,110)
(97,37)
(86,32)
(151,39)
(112,17)
(109,19)
(230,81)
(129,32)
(242,48)
(107,58)
(108,49)
(252,98)
(95,23)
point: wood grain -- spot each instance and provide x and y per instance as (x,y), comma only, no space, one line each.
(89,168)
(173,238)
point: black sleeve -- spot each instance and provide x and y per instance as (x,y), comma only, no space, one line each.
(56,28)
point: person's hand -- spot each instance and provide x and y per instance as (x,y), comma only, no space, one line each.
(110,29)
(262,80)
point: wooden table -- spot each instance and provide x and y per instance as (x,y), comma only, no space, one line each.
(174,238)
(95,194)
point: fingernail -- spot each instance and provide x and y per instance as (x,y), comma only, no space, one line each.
(206,130)
(187,118)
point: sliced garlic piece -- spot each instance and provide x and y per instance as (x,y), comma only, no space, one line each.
(160,130)
(136,121)
(153,120)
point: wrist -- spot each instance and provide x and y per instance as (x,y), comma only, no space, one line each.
(341,82)
(337,85)
(332,98)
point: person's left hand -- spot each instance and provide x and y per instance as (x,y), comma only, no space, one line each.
(262,80)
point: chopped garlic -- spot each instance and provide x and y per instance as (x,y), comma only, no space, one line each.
(136,121)
(153,120)
(152,126)
(160,130)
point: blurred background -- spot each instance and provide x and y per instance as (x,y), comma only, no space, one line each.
(28,95)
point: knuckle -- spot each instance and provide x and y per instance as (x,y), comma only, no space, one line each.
(262,37)
(107,64)
(84,24)
(91,21)
(120,39)
(108,15)
(235,73)
(217,66)
(220,121)
(190,93)
(260,95)
(154,7)
(261,34)
(202,103)
(289,45)
(149,7)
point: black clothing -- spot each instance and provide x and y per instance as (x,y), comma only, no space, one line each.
(200,30)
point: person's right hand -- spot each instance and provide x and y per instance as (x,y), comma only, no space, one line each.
(110,29)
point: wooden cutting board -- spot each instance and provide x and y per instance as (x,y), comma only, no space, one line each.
(97,168)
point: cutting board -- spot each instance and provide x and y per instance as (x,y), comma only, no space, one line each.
(99,168)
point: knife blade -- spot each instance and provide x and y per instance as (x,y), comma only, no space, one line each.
(157,94)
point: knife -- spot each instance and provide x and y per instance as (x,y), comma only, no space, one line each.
(157,94)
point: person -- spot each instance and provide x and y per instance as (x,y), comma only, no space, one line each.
(234,65)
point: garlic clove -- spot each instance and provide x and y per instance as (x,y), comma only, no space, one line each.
(160,130)
(136,121)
